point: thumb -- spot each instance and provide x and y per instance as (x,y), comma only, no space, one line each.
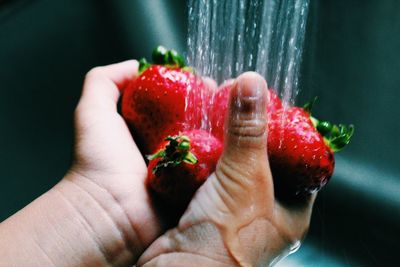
(243,169)
(241,190)
(242,180)
(246,134)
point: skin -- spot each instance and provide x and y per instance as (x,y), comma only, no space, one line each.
(100,213)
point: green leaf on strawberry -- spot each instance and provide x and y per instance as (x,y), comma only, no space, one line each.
(174,153)
(335,136)
(164,57)
(181,165)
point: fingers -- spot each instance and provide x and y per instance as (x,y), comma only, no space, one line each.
(103,85)
(102,137)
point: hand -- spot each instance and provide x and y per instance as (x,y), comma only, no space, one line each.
(107,163)
(234,218)
(100,213)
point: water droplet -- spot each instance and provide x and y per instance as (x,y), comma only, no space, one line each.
(295,247)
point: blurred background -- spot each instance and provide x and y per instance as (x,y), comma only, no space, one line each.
(351,61)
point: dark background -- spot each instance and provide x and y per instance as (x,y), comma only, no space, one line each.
(351,61)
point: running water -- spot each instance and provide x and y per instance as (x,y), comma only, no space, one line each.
(229,37)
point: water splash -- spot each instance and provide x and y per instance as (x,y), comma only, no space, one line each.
(229,37)
(295,247)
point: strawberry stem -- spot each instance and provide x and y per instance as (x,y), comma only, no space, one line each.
(309,105)
(174,153)
(165,57)
(159,54)
(335,136)
(143,65)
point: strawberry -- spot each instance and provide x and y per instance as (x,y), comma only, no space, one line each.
(181,165)
(274,102)
(300,148)
(219,107)
(301,158)
(163,100)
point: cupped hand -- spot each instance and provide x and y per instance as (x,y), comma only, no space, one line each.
(107,163)
(234,218)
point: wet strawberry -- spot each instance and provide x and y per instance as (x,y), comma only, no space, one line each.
(301,151)
(163,100)
(300,148)
(274,102)
(181,165)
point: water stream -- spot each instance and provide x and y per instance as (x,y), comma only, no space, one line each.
(229,37)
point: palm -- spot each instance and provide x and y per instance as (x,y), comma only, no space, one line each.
(246,229)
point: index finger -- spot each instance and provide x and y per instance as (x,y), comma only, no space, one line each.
(103,85)
(119,73)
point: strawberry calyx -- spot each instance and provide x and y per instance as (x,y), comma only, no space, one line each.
(335,136)
(164,57)
(309,105)
(175,152)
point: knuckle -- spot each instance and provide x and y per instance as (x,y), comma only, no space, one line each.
(237,172)
(94,72)
(227,168)
(244,127)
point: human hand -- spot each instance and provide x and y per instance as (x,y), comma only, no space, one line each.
(99,214)
(234,218)
(107,163)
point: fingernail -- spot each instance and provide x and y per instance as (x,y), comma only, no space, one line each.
(249,95)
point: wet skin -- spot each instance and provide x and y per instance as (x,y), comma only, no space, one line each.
(234,218)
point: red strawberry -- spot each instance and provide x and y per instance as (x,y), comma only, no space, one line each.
(181,166)
(274,102)
(301,162)
(300,148)
(163,100)
(219,107)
